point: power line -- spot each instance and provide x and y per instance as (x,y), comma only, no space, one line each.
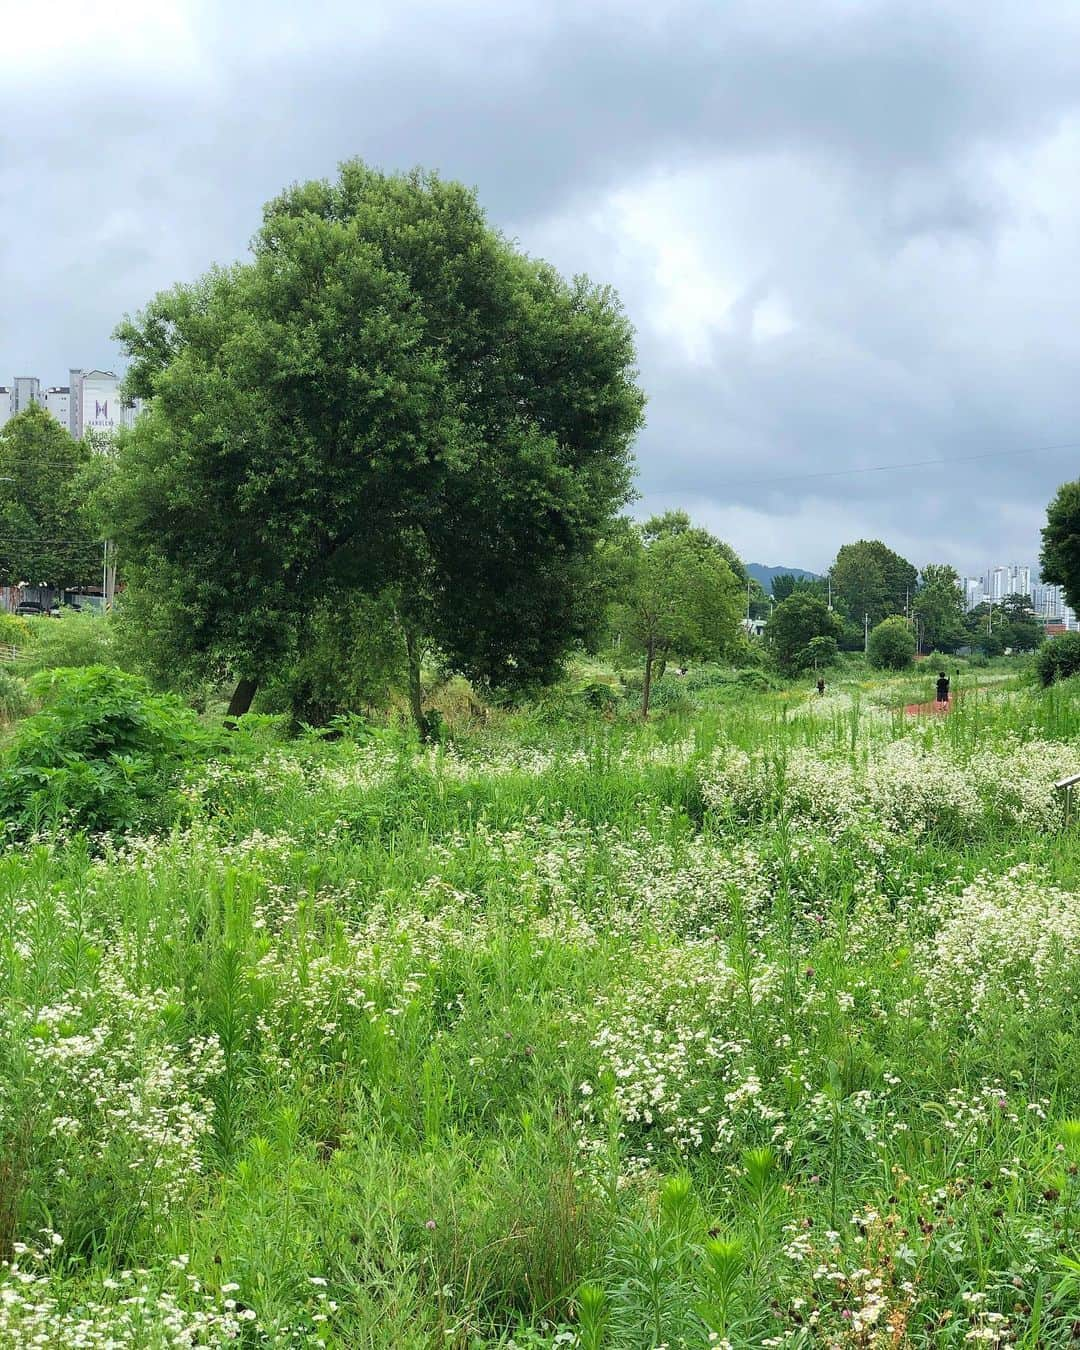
(909,464)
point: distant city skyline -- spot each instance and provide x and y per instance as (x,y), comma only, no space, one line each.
(90,401)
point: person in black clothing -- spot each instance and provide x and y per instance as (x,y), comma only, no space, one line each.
(821,686)
(942,687)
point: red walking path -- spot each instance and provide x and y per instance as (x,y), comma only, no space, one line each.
(933,708)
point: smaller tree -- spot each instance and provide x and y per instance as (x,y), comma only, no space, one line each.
(892,644)
(45,536)
(794,625)
(758,603)
(786,584)
(1021,630)
(939,607)
(677,599)
(984,627)
(1060,557)
(819,652)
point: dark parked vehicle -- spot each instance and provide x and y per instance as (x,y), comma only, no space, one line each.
(29,607)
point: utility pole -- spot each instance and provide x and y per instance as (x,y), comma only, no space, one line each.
(830,590)
(108,577)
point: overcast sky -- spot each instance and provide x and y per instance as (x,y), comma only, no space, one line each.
(846,230)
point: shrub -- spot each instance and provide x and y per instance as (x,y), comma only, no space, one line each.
(1059,658)
(671,695)
(102,754)
(600,697)
(892,644)
(756,680)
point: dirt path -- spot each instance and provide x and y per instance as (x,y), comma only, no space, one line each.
(933,708)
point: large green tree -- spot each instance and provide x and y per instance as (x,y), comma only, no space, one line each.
(870,579)
(387,398)
(46,537)
(1060,556)
(795,624)
(939,608)
(675,598)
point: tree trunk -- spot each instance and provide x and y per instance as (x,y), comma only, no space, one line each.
(646,688)
(416,700)
(241,700)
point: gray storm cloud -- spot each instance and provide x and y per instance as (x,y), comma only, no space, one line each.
(845,232)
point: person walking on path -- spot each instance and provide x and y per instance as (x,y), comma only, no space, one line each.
(821,687)
(942,687)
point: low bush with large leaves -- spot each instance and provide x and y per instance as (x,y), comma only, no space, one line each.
(103,753)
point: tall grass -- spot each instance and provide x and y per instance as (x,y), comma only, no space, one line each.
(535,1039)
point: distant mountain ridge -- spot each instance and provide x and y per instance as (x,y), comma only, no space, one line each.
(764,575)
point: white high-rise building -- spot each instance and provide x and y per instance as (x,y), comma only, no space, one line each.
(90,401)
(95,403)
(1047,600)
(974,591)
(1002,581)
(25,390)
(56,400)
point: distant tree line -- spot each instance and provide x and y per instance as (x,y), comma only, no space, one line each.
(391,443)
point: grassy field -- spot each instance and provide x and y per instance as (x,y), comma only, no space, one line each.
(753,1026)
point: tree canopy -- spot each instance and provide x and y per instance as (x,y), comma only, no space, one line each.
(786,583)
(939,608)
(1008,625)
(1060,557)
(45,535)
(675,598)
(868,578)
(387,399)
(892,644)
(679,523)
(794,625)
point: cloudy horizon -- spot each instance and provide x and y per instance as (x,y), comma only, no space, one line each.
(844,231)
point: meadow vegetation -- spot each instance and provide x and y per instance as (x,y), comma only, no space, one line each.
(452,987)
(751,1025)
